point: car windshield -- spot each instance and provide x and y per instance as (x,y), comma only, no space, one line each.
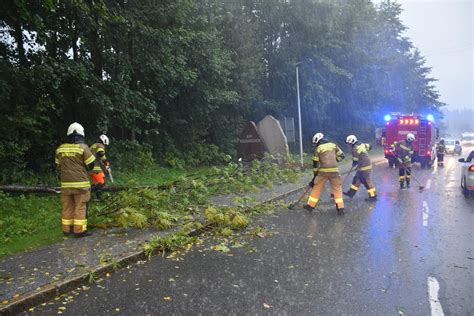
(449,142)
(469,138)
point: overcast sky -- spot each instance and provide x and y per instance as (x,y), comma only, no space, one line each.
(443,31)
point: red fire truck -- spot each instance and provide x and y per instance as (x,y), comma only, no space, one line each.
(398,125)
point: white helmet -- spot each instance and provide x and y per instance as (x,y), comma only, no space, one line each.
(75,127)
(104,139)
(410,137)
(351,139)
(317,137)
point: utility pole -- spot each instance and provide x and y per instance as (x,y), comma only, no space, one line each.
(299,113)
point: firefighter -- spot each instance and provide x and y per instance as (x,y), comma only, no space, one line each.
(101,167)
(326,157)
(72,160)
(403,151)
(361,160)
(440,151)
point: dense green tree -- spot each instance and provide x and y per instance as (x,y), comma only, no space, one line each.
(181,77)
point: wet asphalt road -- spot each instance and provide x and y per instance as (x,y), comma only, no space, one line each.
(378,259)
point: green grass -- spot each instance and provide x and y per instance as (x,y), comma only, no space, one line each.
(29,221)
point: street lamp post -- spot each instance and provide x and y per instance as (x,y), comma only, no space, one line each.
(299,113)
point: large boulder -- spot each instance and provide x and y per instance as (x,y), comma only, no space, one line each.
(273,137)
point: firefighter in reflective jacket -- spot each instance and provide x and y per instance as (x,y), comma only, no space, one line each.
(403,151)
(72,160)
(440,151)
(326,157)
(361,159)
(101,165)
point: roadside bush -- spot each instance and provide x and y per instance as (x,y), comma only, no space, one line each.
(197,155)
(129,155)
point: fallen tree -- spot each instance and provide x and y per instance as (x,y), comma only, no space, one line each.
(45,189)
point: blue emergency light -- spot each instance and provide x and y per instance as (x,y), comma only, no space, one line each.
(430,117)
(387,118)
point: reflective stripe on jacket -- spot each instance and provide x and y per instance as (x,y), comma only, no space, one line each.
(72,161)
(360,156)
(98,150)
(440,148)
(403,151)
(326,157)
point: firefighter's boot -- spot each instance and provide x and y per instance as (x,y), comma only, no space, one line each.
(372,195)
(340,211)
(402,185)
(352,191)
(308,207)
(408,183)
(83,234)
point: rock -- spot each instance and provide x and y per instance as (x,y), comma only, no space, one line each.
(273,137)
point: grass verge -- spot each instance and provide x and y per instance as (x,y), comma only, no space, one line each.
(27,222)
(30,221)
(33,220)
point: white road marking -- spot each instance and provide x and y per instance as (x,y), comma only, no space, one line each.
(428,184)
(426,211)
(450,164)
(435,305)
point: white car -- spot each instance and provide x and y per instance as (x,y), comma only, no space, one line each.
(449,144)
(467,139)
(467,174)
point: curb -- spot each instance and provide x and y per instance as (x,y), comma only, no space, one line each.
(48,292)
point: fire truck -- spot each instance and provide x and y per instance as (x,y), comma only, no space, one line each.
(398,125)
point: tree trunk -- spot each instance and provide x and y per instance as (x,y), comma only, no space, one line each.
(44,189)
(75,53)
(94,40)
(28,189)
(18,34)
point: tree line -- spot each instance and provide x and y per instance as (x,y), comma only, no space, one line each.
(177,79)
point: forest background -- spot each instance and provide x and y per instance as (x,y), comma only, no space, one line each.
(174,81)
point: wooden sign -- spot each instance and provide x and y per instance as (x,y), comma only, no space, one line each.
(250,145)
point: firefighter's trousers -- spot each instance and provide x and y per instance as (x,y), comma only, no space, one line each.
(362,177)
(98,183)
(336,188)
(74,213)
(440,159)
(404,173)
